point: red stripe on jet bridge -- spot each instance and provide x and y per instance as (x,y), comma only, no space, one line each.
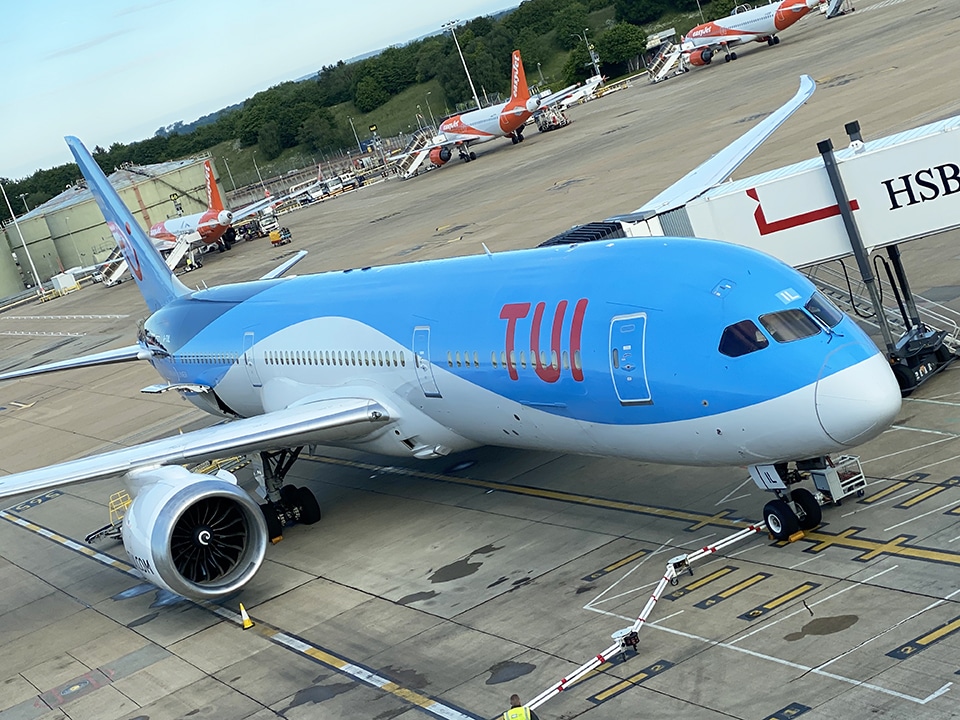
(767,227)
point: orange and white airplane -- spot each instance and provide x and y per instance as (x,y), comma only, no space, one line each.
(744,24)
(212,226)
(477,126)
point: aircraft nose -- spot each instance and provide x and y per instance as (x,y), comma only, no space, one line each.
(858,402)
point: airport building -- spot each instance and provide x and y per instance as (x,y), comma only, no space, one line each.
(68,231)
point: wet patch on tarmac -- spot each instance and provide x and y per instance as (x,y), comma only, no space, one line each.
(405,677)
(463,567)
(824,626)
(498,581)
(508,670)
(585,588)
(417,597)
(142,620)
(317,694)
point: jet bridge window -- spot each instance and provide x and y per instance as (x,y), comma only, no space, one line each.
(742,338)
(824,310)
(788,325)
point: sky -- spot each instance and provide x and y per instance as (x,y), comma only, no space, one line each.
(115,71)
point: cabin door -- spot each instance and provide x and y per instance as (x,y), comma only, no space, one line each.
(627,359)
(249,361)
(421,358)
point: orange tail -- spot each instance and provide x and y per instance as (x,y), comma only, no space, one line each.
(214,201)
(519,93)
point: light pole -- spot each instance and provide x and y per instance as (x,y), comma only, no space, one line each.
(593,55)
(450,26)
(700,10)
(419,117)
(257,167)
(232,181)
(33,268)
(540,72)
(433,120)
(355,136)
(23,196)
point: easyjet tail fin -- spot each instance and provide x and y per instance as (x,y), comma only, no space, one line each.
(157,283)
(214,201)
(519,93)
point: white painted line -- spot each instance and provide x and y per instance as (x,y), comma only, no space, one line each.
(629,572)
(698,543)
(804,562)
(664,619)
(741,552)
(926,431)
(930,465)
(881,502)
(900,452)
(727,497)
(929,512)
(770,624)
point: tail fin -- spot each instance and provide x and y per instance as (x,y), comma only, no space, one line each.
(157,283)
(519,93)
(214,201)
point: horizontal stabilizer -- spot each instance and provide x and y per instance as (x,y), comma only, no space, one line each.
(319,422)
(721,166)
(124,354)
(281,269)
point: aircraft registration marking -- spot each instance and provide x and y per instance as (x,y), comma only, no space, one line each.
(848,539)
(615,566)
(648,672)
(731,591)
(772,605)
(925,641)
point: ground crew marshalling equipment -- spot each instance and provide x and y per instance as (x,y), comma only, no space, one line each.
(628,638)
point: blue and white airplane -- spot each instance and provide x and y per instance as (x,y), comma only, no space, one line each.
(667,350)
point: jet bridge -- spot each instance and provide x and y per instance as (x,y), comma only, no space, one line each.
(869,196)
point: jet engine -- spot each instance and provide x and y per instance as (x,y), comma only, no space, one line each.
(532,104)
(440,155)
(225,217)
(703,56)
(199,536)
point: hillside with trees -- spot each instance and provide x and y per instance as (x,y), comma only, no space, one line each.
(400,87)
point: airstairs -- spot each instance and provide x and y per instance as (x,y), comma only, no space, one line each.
(667,62)
(182,247)
(414,155)
(832,8)
(113,269)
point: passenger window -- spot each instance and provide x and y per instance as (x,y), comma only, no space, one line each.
(824,310)
(395,358)
(566,360)
(789,325)
(493,358)
(742,338)
(476,359)
(380,358)
(503,359)
(403,360)
(576,361)
(523,359)
(449,359)
(458,359)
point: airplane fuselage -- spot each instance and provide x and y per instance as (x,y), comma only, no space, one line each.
(485,124)
(757,24)
(210,225)
(607,349)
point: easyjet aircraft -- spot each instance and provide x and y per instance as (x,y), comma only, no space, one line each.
(211,226)
(744,24)
(670,350)
(477,126)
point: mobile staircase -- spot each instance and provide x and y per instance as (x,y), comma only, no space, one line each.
(668,61)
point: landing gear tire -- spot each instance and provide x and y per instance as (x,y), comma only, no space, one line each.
(781,521)
(514,139)
(733,56)
(776,40)
(810,513)
(289,494)
(726,58)
(309,507)
(473,156)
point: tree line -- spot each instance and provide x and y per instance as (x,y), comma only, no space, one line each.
(294,114)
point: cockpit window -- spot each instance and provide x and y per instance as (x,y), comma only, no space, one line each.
(824,310)
(742,338)
(789,325)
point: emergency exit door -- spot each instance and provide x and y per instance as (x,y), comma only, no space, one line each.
(627,360)
(249,361)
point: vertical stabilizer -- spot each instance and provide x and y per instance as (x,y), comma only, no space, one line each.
(519,93)
(157,283)
(214,201)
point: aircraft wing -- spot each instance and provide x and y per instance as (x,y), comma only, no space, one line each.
(124,354)
(548,100)
(254,208)
(721,166)
(282,268)
(318,422)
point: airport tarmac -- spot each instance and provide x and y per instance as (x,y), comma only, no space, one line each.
(439,588)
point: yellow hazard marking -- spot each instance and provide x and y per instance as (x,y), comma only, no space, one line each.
(615,566)
(715,575)
(917,499)
(771,605)
(925,641)
(632,681)
(732,590)
(883,493)
(821,540)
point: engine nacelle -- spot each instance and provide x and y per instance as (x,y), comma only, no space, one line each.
(225,217)
(199,536)
(700,57)
(532,105)
(440,155)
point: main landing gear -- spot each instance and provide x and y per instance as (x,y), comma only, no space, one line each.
(773,40)
(729,56)
(285,504)
(800,509)
(465,155)
(516,136)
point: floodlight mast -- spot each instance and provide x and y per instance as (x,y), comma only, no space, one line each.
(450,26)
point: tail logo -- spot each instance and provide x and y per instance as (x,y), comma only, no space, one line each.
(128,249)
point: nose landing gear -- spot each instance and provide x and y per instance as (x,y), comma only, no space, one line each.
(801,509)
